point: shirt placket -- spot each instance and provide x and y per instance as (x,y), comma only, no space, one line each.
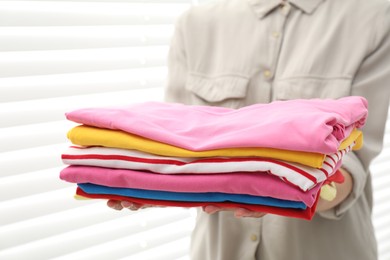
(277,28)
(276,35)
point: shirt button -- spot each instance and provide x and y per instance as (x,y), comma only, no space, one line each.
(276,34)
(267,73)
(285,9)
(253,237)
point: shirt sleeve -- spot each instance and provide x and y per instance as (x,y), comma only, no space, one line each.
(372,81)
(177,66)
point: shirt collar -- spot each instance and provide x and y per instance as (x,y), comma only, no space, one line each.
(263,7)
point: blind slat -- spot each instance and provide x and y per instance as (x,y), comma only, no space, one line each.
(381,182)
(383,160)
(384,250)
(49,225)
(167,251)
(62,13)
(31,159)
(36,111)
(34,135)
(26,63)
(113,1)
(101,233)
(383,235)
(89,216)
(30,183)
(82,37)
(133,244)
(12,211)
(382,223)
(382,207)
(71,84)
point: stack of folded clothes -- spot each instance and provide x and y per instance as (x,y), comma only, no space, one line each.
(272,158)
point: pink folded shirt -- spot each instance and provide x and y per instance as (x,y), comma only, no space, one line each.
(310,125)
(296,174)
(235,183)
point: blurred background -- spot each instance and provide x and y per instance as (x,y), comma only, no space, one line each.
(56,56)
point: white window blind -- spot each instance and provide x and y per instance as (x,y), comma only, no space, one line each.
(381,183)
(56,56)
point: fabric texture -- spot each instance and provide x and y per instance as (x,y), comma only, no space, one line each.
(256,184)
(91,136)
(327,123)
(301,176)
(190,196)
(306,214)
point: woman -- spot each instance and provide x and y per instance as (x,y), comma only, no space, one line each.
(236,53)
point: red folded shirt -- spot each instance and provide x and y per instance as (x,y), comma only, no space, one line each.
(308,213)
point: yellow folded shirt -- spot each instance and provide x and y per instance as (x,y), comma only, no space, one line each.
(79,197)
(92,136)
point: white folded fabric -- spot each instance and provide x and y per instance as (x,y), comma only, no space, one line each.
(304,177)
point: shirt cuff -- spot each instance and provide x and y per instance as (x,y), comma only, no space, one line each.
(352,164)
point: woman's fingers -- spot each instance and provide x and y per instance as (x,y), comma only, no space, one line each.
(211,209)
(114,204)
(121,204)
(131,205)
(238,212)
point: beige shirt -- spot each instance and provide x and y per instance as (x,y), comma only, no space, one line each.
(235,53)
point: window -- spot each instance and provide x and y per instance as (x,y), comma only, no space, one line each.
(56,56)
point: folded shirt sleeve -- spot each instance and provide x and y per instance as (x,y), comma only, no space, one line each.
(177,66)
(352,164)
(372,82)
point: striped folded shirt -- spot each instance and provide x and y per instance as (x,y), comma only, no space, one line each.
(302,176)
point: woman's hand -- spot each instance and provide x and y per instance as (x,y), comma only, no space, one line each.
(343,191)
(119,205)
(238,212)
